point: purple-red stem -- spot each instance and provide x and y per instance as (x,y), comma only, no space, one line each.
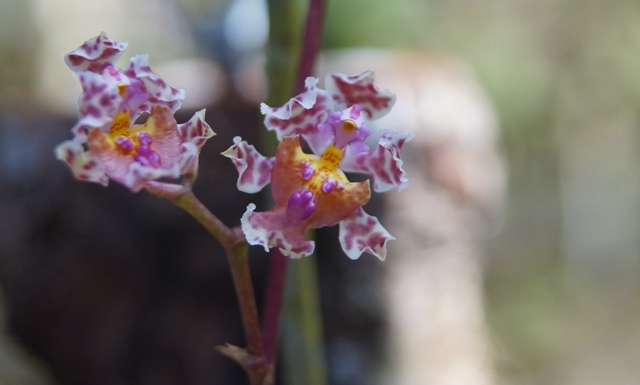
(278,263)
(277,276)
(311,42)
(232,239)
(261,346)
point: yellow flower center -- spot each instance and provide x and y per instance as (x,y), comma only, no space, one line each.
(321,174)
(330,158)
(120,125)
(127,140)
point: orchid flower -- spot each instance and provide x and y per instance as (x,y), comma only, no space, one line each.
(311,190)
(107,143)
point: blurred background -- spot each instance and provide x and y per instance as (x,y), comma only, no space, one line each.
(517,259)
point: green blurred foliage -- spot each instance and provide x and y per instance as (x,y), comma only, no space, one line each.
(16,49)
(402,23)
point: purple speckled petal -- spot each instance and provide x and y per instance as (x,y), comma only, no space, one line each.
(139,174)
(363,233)
(159,92)
(196,130)
(383,163)
(82,164)
(188,161)
(254,169)
(98,103)
(271,229)
(360,90)
(95,54)
(301,115)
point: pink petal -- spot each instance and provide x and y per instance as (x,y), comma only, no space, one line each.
(363,233)
(98,103)
(166,140)
(360,90)
(196,130)
(82,164)
(271,229)
(95,54)
(383,163)
(254,169)
(301,115)
(160,93)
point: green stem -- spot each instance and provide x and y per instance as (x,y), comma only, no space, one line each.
(303,352)
(290,62)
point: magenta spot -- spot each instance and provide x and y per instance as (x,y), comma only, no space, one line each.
(144,138)
(69,156)
(96,88)
(265,169)
(92,110)
(75,60)
(297,119)
(105,100)
(146,156)
(328,185)
(301,205)
(307,170)
(124,143)
(89,165)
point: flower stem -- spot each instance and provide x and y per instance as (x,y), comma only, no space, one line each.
(276,277)
(259,370)
(311,42)
(232,239)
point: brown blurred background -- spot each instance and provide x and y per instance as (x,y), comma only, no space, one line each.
(517,258)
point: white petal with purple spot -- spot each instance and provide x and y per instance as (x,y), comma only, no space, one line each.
(363,233)
(360,90)
(383,163)
(95,54)
(83,166)
(254,169)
